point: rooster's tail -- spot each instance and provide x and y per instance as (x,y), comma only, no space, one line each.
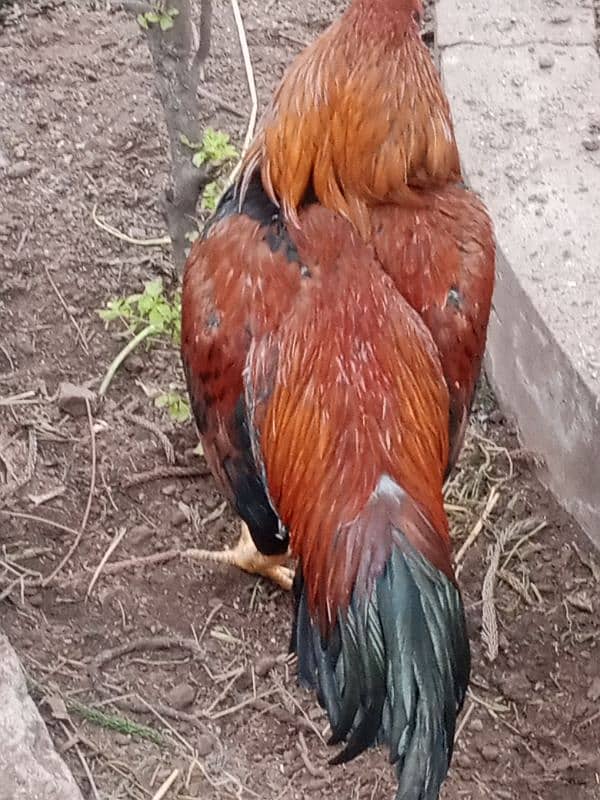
(394,665)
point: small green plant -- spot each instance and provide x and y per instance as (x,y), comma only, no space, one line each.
(215,148)
(210,195)
(152,308)
(152,314)
(149,315)
(175,404)
(159,15)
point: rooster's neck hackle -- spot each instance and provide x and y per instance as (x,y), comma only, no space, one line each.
(395,18)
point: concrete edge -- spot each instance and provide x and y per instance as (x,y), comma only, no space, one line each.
(557,414)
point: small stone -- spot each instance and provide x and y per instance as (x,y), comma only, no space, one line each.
(169,490)
(204,745)
(26,347)
(134,365)
(515,686)
(490,752)
(22,169)
(72,399)
(594,690)
(463,760)
(179,518)
(37,600)
(591,144)
(582,601)
(264,665)
(476,725)
(546,61)
(181,696)
(140,535)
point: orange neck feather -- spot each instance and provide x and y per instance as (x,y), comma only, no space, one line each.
(360,118)
(388,18)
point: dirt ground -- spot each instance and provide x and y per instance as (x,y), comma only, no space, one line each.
(176,666)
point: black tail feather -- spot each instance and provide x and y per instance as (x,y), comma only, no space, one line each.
(394,670)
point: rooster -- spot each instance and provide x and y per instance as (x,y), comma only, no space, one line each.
(333,323)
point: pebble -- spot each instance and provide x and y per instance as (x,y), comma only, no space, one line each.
(72,399)
(204,745)
(594,690)
(591,144)
(22,169)
(546,61)
(490,752)
(515,686)
(476,725)
(181,696)
(264,665)
(463,760)
(179,518)
(134,365)
(140,534)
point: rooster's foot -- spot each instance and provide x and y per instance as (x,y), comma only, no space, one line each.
(245,556)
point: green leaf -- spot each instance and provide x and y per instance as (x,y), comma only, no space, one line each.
(142,21)
(120,308)
(152,16)
(217,146)
(166,23)
(199,158)
(210,196)
(177,406)
(173,12)
(154,288)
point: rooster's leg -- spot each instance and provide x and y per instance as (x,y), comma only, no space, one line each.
(245,556)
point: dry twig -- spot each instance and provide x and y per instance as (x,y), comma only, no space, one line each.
(83,341)
(88,507)
(143,643)
(160,434)
(110,229)
(163,473)
(111,548)
(41,521)
(164,788)
(493,498)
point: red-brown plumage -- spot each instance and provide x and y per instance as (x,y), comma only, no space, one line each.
(323,409)
(353,390)
(442,260)
(360,118)
(237,291)
(223,309)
